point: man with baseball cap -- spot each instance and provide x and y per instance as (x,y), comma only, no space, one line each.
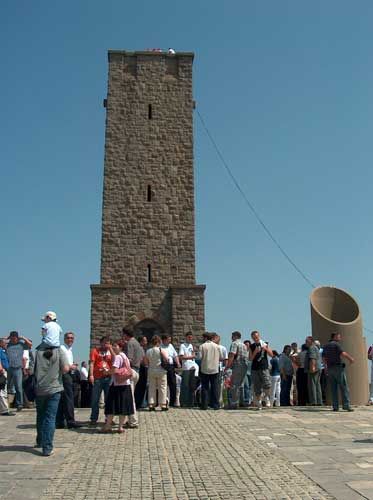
(50,331)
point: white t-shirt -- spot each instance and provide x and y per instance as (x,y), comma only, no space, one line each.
(51,332)
(68,353)
(83,373)
(187,350)
(26,358)
(172,354)
(223,355)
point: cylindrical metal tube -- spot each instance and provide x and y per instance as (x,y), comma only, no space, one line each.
(335,311)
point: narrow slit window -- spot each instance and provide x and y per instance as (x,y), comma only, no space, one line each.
(149,273)
(149,193)
(150,112)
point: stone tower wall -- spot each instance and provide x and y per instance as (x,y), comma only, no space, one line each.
(148,250)
(148,149)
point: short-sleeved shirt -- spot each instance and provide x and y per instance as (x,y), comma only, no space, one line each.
(172,354)
(134,352)
(187,350)
(332,353)
(100,360)
(285,364)
(209,354)
(15,354)
(4,359)
(120,362)
(312,353)
(260,362)
(275,367)
(51,332)
(68,353)
(239,350)
(48,372)
(223,356)
(154,356)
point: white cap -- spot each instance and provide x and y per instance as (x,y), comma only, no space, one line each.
(50,314)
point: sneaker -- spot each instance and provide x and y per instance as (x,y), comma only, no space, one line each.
(47,453)
(8,414)
(127,425)
(268,404)
(348,409)
(19,408)
(93,423)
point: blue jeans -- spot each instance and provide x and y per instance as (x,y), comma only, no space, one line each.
(15,378)
(337,378)
(46,410)
(247,397)
(99,385)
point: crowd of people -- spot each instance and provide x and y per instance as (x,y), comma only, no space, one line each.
(130,374)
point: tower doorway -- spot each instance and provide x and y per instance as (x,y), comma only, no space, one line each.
(148,328)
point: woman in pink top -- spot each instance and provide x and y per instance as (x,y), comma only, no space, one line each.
(120,399)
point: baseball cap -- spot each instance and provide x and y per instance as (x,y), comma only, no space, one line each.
(50,314)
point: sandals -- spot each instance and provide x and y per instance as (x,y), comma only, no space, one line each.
(105,430)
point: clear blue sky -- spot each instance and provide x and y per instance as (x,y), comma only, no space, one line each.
(286,89)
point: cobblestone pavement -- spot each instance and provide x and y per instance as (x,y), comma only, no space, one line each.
(192,454)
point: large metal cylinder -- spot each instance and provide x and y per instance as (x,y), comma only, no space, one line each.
(334,311)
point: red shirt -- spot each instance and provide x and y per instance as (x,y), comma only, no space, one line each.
(100,360)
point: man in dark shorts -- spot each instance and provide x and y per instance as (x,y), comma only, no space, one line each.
(260,377)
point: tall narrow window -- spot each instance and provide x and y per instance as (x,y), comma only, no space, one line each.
(150,112)
(149,273)
(149,195)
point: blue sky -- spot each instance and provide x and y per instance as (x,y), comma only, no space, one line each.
(285,88)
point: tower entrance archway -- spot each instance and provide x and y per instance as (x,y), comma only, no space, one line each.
(148,328)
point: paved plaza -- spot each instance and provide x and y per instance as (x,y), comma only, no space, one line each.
(191,454)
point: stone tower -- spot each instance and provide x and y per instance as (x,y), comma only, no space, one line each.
(148,252)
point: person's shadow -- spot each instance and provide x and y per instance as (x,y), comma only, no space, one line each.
(25,449)
(366,441)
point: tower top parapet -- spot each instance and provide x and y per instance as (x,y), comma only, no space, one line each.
(149,52)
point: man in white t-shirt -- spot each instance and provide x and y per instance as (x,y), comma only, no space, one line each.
(65,410)
(173,360)
(187,357)
(222,363)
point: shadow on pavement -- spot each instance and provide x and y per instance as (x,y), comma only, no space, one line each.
(26,426)
(370,440)
(26,449)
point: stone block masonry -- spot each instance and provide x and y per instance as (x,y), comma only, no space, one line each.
(147,277)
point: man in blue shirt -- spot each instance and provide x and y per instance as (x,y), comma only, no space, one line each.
(4,365)
(15,371)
